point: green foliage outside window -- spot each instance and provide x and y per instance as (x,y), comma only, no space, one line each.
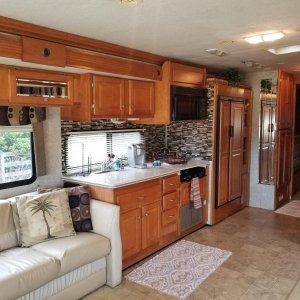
(16,142)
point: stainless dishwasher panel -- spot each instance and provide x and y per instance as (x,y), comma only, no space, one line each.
(189,216)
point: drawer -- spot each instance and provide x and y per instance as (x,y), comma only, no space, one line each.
(170,200)
(170,184)
(139,198)
(170,216)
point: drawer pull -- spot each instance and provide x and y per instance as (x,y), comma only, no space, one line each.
(171,184)
(146,214)
(171,216)
(141,197)
(172,200)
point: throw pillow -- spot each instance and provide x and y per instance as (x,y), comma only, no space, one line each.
(44,216)
(79,201)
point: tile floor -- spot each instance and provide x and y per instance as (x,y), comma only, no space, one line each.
(265,263)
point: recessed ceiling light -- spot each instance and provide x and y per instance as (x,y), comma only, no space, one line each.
(254,39)
(268,37)
(285,50)
(216,52)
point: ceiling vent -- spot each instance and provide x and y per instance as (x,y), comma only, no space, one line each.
(216,52)
(130,2)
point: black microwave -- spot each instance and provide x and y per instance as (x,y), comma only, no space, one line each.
(188,103)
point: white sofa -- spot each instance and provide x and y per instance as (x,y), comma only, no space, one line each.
(64,268)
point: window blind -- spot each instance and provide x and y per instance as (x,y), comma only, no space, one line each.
(80,147)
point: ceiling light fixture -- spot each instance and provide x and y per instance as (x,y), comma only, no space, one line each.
(216,52)
(268,37)
(285,50)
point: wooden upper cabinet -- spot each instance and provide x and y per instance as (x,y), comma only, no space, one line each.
(187,75)
(81,108)
(120,98)
(40,88)
(141,98)
(43,52)
(4,86)
(172,74)
(108,97)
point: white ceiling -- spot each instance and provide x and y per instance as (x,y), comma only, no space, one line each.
(180,29)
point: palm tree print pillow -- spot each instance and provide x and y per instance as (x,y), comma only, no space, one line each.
(44,216)
(79,201)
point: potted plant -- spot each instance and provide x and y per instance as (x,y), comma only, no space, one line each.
(232,75)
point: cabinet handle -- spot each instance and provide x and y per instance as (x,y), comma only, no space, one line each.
(172,200)
(141,197)
(46,99)
(146,214)
(138,218)
(171,216)
(171,184)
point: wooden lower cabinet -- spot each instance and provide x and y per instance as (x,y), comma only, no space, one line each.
(151,224)
(140,229)
(131,233)
(149,214)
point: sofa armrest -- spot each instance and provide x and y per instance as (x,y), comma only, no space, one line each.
(106,221)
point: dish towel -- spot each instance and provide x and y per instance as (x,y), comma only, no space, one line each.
(195,193)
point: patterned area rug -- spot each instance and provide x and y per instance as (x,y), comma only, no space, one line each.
(178,270)
(290,209)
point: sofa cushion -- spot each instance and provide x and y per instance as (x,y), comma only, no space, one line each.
(75,251)
(23,270)
(8,235)
(79,201)
(44,216)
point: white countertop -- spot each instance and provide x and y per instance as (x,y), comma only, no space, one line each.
(115,179)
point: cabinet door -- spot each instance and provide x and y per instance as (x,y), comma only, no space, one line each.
(284,160)
(151,214)
(187,75)
(141,98)
(236,150)
(131,233)
(109,97)
(4,90)
(223,150)
(81,108)
(286,94)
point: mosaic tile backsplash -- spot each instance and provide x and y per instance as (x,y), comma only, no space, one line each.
(188,138)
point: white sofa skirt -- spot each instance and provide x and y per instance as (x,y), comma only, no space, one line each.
(72,285)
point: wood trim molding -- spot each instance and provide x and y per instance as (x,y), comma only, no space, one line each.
(12,26)
(90,60)
(10,46)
